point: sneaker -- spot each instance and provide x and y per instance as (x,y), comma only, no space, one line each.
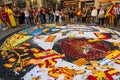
(3,28)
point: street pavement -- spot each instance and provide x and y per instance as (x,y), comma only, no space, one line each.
(8,31)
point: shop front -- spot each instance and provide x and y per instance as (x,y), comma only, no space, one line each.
(70,4)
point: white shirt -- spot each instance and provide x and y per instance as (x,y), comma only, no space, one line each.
(26,13)
(101,12)
(94,12)
(57,13)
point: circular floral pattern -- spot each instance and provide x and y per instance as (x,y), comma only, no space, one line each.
(82,48)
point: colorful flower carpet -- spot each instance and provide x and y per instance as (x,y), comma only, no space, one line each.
(71,52)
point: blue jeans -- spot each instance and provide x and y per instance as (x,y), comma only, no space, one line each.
(42,19)
(94,19)
(2,25)
(50,18)
(27,20)
(79,19)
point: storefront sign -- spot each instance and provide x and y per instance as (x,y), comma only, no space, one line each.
(69,3)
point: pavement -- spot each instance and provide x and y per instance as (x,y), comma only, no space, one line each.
(7,32)
(113,27)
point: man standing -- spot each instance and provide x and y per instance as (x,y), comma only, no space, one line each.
(116,15)
(88,14)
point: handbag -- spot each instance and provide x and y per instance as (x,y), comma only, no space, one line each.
(100,16)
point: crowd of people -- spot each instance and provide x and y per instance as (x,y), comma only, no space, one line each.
(100,16)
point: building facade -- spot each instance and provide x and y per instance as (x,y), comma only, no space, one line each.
(55,3)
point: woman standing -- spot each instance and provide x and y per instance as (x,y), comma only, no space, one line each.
(94,15)
(27,15)
(57,14)
(62,15)
(101,16)
(35,15)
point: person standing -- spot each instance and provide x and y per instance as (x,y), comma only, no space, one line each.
(41,16)
(27,15)
(49,15)
(62,15)
(44,14)
(94,15)
(84,15)
(21,16)
(57,14)
(71,16)
(79,16)
(88,14)
(52,16)
(31,17)
(15,11)
(116,15)
(35,15)
(101,16)
(119,15)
